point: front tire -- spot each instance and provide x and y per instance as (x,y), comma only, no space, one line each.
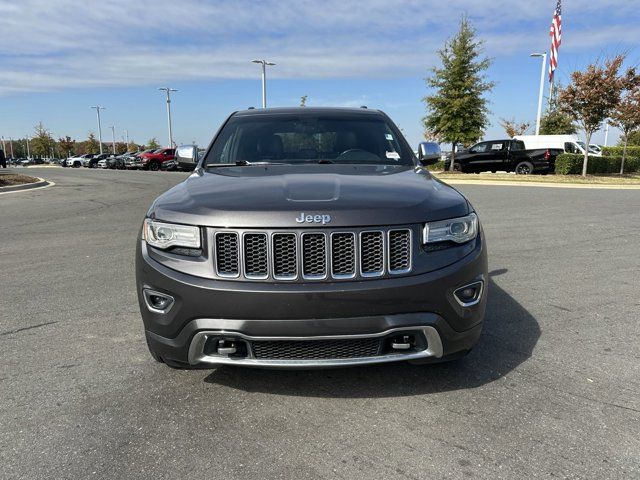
(524,168)
(154,166)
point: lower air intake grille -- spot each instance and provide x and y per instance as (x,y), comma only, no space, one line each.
(315,349)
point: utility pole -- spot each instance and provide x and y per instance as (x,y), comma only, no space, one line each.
(264,64)
(541,91)
(113,136)
(98,108)
(168,91)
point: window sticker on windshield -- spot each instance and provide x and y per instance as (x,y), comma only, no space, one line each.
(388,136)
(393,155)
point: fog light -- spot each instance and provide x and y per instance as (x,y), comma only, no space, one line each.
(158,302)
(469,295)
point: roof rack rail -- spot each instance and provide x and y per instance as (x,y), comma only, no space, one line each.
(363,106)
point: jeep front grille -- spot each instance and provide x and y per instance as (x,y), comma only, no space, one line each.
(312,255)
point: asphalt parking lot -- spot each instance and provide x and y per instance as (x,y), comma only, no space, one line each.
(552,390)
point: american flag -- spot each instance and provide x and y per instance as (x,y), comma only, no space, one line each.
(556,39)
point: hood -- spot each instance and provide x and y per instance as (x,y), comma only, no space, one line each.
(275,195)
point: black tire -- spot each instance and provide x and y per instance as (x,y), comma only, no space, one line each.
(524,168)
(154,166)
(457,167)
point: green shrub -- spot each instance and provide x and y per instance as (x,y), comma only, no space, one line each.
(436,167)
(632,151)
(571,164)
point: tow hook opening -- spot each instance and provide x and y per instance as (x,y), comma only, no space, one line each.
(404,343)
(226,347)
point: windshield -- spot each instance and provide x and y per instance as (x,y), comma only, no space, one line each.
(295,139)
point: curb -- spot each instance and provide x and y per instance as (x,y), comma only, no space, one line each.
(41,183)
(508,183)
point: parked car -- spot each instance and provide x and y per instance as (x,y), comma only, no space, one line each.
(74,161)
(118,162)
(307,237)
(508,155)
(154,160)
(134,162)
(93,161)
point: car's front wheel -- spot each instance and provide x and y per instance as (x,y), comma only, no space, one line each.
(154,166)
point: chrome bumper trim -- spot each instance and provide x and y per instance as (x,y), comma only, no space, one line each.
(196,350)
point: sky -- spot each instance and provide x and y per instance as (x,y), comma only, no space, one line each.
(60,57)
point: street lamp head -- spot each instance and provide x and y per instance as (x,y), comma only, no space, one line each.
(269,63)
(538,54)
(257,61)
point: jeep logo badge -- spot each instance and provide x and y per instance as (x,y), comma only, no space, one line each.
(323,219)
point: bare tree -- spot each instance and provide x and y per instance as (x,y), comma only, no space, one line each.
(513,128)
(592,96)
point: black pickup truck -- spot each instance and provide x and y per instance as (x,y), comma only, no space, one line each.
(504,155)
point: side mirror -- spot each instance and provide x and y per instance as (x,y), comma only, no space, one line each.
(187,156)
(428,153)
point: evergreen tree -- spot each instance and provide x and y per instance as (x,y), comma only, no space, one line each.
(153,143)
(457,110)
(92,145)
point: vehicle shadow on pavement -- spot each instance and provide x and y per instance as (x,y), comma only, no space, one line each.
(509,335)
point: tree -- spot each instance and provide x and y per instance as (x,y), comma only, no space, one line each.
(133,147)
(513,128)
(92,145)
(153,143)
(555,121)
(457,110)
(41,142)
(626,115)
(633,138)
(592,96)
(67,145)
(121,148)
(303,101)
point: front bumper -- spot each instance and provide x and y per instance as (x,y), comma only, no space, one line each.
(422,304)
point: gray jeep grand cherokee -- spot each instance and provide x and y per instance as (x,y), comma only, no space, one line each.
(310,237)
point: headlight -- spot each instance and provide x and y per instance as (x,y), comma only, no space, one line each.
(459,230)
(165,235)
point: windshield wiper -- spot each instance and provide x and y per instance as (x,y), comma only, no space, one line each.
(325,160)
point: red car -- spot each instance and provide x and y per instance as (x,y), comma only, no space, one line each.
(155,160)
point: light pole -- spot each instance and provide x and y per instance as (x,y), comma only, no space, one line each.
(4,147)
(544,64)
(113,138)
(168,90)
(264,64)
(98,108)
(28,152)
(11,146)
(126,136)
(606,132)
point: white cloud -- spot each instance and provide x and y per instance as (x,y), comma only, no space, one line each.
(62,44)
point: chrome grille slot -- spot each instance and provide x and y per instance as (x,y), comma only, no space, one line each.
(314,256)
(227,258)
(285,256)
(256,255)
(371,254)
(343,255)
(399,242)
